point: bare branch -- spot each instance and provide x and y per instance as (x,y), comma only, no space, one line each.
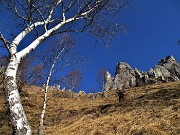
(15,11)
(27,30)
(39,12)
(48,33)
(52,10)
(6,43)
(69,6)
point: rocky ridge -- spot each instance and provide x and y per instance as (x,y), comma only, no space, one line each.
(167,70)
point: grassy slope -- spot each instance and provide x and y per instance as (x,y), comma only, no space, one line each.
(149,110)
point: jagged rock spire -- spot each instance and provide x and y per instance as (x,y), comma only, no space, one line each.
(168,69)
(107,76)
(168,59)
(108,81)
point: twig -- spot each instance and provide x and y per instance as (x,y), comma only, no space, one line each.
(5,42)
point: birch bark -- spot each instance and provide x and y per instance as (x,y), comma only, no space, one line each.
(17,115)
(41,130)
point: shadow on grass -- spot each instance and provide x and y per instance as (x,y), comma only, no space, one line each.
(165,94)
(4,123)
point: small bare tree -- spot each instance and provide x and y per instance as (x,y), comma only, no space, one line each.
(46,18)
(72,80)
(28,72)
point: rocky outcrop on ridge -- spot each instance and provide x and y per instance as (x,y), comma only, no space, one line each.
(167,70)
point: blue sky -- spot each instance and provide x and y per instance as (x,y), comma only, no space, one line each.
(153,31)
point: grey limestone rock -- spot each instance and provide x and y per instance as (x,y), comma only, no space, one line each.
(108,81)
(168,69)
(124,77)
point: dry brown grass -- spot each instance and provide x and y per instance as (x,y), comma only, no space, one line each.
(148,110)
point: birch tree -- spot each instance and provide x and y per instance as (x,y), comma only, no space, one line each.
(46,18)
(55,61)
(41,129)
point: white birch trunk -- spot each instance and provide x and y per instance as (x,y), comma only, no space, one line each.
(41,130)
(18,118)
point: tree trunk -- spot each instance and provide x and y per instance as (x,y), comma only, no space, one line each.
(41,130)
(17,116)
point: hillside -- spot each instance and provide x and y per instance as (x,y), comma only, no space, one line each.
(147,110)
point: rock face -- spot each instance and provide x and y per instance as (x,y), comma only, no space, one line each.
(167,70)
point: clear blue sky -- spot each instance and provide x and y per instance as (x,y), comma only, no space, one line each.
(153,31)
